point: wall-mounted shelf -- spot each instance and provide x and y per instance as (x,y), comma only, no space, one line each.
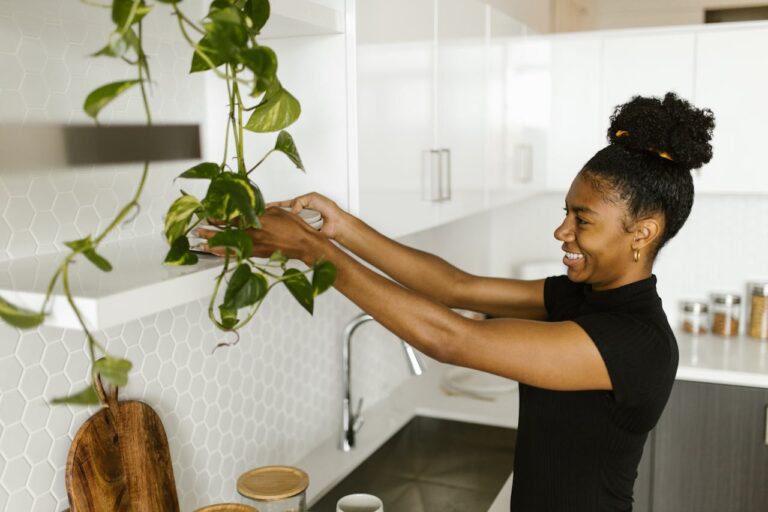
(27,147)
(294,18)
(139,285)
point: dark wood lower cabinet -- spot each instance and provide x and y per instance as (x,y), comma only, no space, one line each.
(708,452)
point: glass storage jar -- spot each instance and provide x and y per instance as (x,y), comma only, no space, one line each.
(694,316)
(726,313)
(275,488)
(758,310)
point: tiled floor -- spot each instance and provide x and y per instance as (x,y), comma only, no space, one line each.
(431,465)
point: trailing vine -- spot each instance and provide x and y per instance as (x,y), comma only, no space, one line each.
(227,46)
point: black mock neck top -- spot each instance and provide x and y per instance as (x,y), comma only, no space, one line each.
(578,451)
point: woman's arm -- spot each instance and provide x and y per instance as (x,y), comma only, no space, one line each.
(424,272)
(552,355)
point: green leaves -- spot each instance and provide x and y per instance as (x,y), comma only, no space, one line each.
(300,287)
(19,317)
(278,109)
(262,61)
(179,253)
(258,14)
(101,97)
(119,43)
(127,12)
(85,247)
(231,195)
(323,276)
(236,240)
(286,145)
(87,396)
(245,288)
(205,171)
(198,63)
(114,370)
(178,216)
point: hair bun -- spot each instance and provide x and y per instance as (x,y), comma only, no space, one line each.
(672,128)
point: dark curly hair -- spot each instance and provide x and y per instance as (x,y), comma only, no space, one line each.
(654,144)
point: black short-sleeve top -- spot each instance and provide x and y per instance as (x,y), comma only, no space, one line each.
(578,451)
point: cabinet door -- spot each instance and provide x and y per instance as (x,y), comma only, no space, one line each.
(461,87)
(395,40)
(578,130)
(710,450)
(649,64)
(732,80)
(503,176)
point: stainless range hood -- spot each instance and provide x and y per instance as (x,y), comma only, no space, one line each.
(49,147)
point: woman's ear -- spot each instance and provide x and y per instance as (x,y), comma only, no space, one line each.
(645,231)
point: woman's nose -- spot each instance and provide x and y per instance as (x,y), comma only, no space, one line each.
(564,232)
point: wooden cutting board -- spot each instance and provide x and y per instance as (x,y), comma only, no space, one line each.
(119,461)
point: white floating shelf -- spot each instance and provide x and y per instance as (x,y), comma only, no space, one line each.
(139,284)
(294,18)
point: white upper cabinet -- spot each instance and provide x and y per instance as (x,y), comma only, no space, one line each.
(395,111)
(648,64)
(509,158)
(732,80)
(461,122)
(577,129)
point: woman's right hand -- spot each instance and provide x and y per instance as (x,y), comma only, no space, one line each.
(333,216)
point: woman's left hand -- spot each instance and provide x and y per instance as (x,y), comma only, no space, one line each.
(280,230)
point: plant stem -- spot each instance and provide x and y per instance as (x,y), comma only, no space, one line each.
(232,122)
(260,161)
(216,286)
(240,155)
(127,208)
(142,63)
(92,343)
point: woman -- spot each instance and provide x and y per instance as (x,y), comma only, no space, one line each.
(592,350)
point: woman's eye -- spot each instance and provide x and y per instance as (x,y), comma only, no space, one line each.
(581,221)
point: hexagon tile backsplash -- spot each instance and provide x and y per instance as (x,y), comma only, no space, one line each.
(268,400)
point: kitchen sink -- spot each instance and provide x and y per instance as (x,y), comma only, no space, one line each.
(432,464)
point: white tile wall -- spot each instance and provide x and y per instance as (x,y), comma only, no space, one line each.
(268,400)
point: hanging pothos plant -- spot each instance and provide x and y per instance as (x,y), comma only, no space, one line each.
(224,44)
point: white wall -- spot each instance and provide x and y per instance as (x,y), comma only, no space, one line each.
(721,247)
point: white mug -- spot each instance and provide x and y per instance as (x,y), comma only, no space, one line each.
(360,503)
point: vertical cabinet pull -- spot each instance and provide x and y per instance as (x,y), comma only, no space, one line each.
(445,175)
(436,175)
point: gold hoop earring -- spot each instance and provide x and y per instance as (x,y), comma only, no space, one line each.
(637,255)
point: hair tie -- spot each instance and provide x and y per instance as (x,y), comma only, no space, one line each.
(662,154)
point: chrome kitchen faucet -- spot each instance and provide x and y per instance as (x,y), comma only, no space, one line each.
(352,421)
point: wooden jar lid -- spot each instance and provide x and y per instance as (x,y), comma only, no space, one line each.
(227,507)
(270,483)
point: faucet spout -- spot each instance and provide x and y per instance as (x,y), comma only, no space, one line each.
(351,419)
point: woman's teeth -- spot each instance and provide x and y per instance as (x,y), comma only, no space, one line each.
(574,255)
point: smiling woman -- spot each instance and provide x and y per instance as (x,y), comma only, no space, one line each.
(592,350)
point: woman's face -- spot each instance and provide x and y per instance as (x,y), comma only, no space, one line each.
(598,248)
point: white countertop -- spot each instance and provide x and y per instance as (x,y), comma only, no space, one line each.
(741,361)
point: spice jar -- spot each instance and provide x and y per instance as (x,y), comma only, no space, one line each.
(758,312)
(694,315)
(275,488)
(726,312)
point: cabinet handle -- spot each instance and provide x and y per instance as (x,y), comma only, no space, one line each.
(446,185)
(430,176)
